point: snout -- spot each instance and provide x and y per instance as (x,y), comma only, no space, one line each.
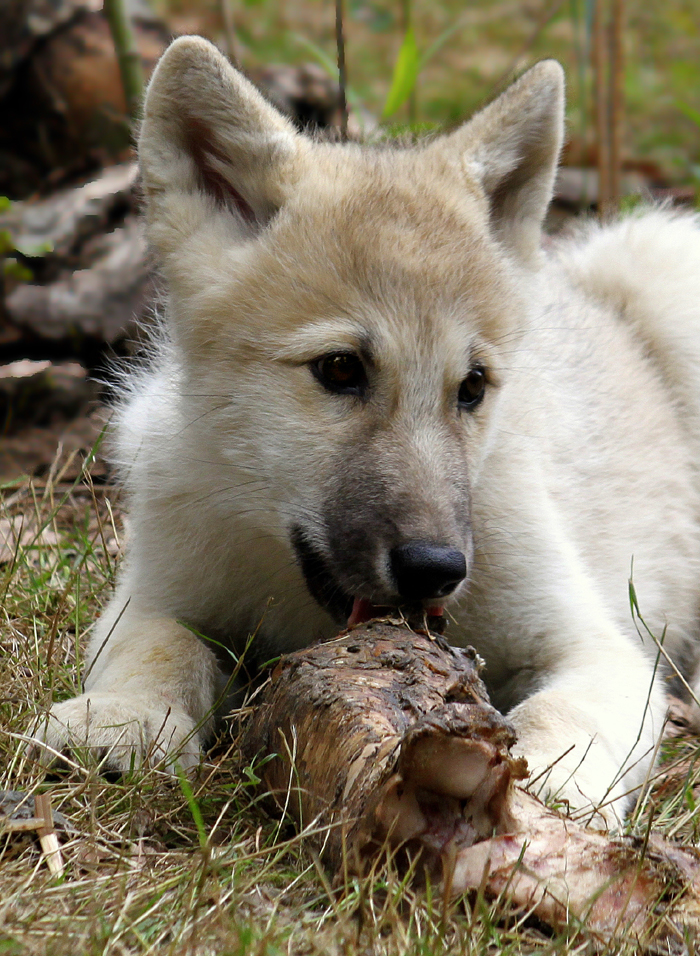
(422,570)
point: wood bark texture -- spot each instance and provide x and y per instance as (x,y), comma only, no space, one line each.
(384,738)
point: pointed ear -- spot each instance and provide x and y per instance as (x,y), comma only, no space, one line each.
(511,148)
(213,153)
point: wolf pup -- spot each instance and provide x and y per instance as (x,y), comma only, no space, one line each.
(375,390)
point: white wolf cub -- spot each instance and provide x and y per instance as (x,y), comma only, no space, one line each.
(377,389)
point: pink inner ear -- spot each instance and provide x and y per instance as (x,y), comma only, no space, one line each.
(204,154)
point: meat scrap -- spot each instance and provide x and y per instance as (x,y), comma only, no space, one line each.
(384,738)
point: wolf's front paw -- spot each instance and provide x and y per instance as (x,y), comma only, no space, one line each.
(120,730)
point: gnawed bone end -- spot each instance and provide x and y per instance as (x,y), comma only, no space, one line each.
(387,736)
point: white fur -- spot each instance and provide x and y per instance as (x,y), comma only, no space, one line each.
(581,459)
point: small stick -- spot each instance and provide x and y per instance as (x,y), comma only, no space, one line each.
(48,838)
(342,70)
(600,66)
(23,826)
(617,76)
(127,55)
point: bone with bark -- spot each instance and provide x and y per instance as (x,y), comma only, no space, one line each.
(385,737)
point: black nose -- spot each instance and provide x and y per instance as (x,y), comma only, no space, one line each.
(424,570)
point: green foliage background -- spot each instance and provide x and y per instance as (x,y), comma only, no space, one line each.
(482,45)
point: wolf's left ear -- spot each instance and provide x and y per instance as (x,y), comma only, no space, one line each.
(213,152)
(511,148)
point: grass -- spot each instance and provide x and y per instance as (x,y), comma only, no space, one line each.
(152,866)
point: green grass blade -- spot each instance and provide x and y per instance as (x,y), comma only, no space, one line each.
(406,70)
(689,111)
(189,796)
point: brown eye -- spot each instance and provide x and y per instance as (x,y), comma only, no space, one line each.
(341,372)
(472,389)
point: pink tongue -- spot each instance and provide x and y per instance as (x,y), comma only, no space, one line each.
(363,610)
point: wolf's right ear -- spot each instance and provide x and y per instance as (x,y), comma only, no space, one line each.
(510,150)
(212,150)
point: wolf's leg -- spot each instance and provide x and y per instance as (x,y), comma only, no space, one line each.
(150,689)
(589,733)
(590,727)
(590,709)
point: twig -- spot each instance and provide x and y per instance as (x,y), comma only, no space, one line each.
(608,63)
(617,75)
(48,838)
(342,70)
(127,55)
(23,826)
(600,52)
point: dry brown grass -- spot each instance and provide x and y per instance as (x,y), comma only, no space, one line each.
(152,866)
